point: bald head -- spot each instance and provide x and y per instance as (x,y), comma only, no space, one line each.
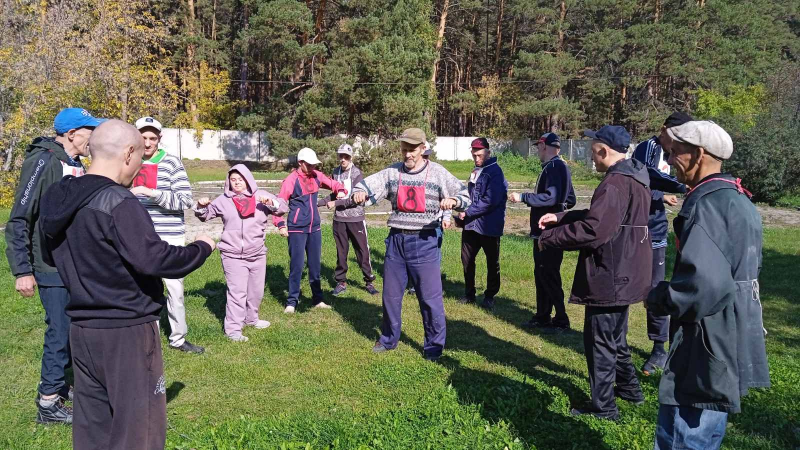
(113,138)
(116,148)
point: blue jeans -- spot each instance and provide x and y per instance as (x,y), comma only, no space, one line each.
(685,427)
(56,355)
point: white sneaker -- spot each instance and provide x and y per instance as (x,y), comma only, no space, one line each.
(322,305)
(288,310)
(238,338)
(261,324)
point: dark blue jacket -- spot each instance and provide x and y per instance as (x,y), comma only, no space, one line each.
(554,193)
(487,213)
(649,152)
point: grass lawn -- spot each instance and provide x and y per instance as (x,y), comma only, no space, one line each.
(311,381)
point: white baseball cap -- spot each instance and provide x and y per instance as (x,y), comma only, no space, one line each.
(706,134)
(307,155)
(148,122)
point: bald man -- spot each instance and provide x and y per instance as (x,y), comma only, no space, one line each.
(106,249)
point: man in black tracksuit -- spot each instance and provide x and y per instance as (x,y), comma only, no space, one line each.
(650,153)
(46,162)
(554,194)
(111,260)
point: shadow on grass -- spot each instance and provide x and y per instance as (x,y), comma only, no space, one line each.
(173,390)
(530,406)
(215,294)
(277,282)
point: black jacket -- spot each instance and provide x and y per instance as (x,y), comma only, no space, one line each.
(554,193)
(107,251)
(718,351)
(616,259)
(42,168)
(649,152)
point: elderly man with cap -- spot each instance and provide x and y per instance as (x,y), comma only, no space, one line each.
(650,153)
(613,267)
(112,261)
(47,160)
(162,186)
(302,225)
(349,224)
(718,352)
(418,190)
(554,194)
(483,222)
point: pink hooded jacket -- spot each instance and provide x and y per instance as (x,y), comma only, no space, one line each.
(242,237)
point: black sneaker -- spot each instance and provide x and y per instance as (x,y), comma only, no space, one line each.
(488,304)
(371,289)
(432,358)
(379,348)
(536,322)
(656,361)
(557,328)
(465,300)
(54,412)
(636,400)
(341,287)
(588,412)
(66,393)
(188,347)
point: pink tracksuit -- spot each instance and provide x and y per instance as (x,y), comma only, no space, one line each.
(244,255)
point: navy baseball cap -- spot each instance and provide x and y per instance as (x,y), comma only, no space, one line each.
(551,139)
(677,119)
(613,136)
(74,118)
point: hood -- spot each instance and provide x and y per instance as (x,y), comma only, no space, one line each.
(47,144)
(248,179)
(64,199)
(631,168)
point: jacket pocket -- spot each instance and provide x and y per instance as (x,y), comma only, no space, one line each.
(704,378)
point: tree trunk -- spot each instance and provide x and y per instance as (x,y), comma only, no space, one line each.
(243,67)
(214,22)
(499,46)
(319,22)
(440,40)
(513,48)
(192,67)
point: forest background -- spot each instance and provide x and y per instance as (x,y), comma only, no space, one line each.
(308,72)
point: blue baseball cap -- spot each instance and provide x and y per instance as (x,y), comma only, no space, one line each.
(550,139)
(613,136)
(74,118)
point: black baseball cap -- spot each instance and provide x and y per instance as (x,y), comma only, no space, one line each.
(613,136)
(551,139)
(677,119)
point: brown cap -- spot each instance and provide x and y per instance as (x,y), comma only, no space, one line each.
(413,136)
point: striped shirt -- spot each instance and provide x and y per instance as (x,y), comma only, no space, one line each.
(172,195)
(438,182)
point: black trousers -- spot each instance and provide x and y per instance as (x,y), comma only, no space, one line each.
(472,243)
(549,292)
(658,326)
(56,356)
(608,357)
(343,234)
(120,396)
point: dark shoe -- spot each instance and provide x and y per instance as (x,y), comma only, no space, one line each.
(412,291)
(371,289)
(636,400)
(53,412)
(488,304)
(432,358)
(188,347)
(341,287)
(379,348)
(465,300)
(537,323)
(557,328)
(656,361)
(587,412)
(66,393)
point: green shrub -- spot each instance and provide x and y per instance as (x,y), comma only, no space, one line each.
(8,186)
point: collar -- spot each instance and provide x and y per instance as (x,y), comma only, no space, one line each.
(707,185)
(403,168)
(304,175)
(157,156)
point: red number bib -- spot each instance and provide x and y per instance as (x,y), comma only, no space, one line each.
(411,199)
(147,176)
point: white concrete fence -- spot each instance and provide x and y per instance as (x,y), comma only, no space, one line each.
(254,146)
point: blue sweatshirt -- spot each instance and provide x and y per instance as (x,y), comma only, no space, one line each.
(554,193)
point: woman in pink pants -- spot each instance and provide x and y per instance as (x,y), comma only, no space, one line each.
(244,210)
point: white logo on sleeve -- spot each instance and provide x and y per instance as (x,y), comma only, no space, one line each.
(161,386)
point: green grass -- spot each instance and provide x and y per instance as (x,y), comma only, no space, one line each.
(311,381)
(790,200)
(5,213)
(216,174)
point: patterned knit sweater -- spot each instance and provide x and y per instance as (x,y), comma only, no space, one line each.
(172,195)
(440,184)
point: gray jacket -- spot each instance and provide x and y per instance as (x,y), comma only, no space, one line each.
(346,209)
(718,351)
